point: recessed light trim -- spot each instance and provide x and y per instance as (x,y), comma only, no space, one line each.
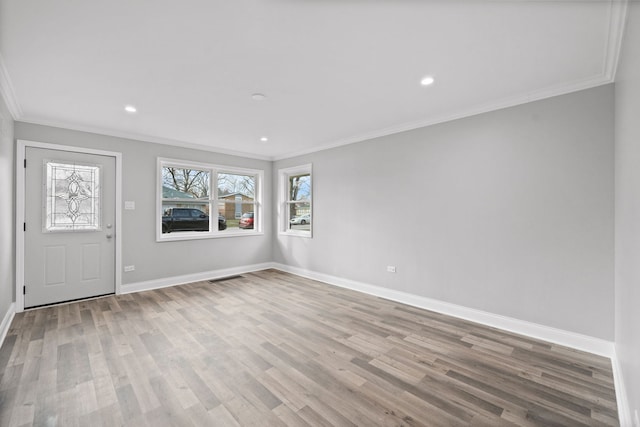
(258,96)
(264,139)
(427,81)
(130,109)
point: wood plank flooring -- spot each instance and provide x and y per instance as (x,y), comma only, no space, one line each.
(274,349)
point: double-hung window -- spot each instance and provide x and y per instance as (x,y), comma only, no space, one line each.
(197,200)
(295,213)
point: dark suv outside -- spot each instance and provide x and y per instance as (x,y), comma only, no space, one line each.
(188,219)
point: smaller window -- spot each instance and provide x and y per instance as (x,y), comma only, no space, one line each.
(296,201)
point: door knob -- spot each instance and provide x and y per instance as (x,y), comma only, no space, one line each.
(109,236)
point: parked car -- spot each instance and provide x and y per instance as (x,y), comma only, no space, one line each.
(187,219)
(246,221)
(302,219)
(222,222)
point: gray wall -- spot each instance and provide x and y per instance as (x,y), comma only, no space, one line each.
(155,260)
(7,221)
(627,269)
(509,212)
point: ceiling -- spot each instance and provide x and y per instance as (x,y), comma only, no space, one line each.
(333,71)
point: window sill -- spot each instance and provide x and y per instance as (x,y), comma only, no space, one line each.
(181,236)
(307,234)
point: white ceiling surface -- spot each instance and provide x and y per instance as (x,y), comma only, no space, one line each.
(333,71)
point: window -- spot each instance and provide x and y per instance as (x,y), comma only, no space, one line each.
(295,201)
(189,209)
(72,200)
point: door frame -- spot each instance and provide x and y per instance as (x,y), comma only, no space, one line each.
(21,155)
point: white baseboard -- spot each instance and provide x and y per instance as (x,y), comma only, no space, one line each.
(554,335)
(546,333)
(624,411)
(529,329)
(6,322)
(190,278)
(558,336)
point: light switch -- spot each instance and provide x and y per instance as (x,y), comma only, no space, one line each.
(129,205)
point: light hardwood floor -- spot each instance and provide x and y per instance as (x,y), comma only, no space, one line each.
(273,349)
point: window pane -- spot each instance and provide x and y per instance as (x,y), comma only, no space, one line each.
(295,201)
(180,183)
(188,216)
(231,185)
(300,216)
(236,195)
(248,219)
(206,198)
(237,213)
(72,198)
(300,187)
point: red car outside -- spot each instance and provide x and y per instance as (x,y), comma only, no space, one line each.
(246,221)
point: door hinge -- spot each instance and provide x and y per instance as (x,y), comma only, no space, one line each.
(25,226)
(24,290)
(25,163)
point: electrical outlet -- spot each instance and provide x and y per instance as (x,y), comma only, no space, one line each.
(391,268)
(128,268)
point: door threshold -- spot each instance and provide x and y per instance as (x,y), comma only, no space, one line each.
(53,304)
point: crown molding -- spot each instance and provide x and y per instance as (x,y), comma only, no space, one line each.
(143,138)
(7,92)
(520,99)
(617,23)
(617,20)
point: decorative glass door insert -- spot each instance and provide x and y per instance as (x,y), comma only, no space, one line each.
(72,197)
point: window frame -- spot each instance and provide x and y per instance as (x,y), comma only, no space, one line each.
(213,201)
(283,200)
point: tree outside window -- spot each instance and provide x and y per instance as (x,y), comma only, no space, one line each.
(188,205)
(296,199)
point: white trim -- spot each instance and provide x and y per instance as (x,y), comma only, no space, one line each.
(202,235)
(140,137)
(283,197)
(20,209)
(190,278)
(617,23)
(624,410)
(212,201)
(8,93)
(6,322)
(513,101)
(558,336)
(617,18)
(488,107)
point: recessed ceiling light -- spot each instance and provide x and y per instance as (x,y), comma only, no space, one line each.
(427,80)
(264,139)
(130,109)
(258,97)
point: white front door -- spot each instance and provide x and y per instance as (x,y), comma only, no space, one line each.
(69,226)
